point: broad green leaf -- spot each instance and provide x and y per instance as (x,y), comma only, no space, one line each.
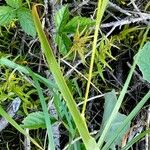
(35,120)
(7,14)
(26,21)
(61,18)
(14,3)
(110,102)
(64,43)
(144,61)
(61,46)
(82,22)
(127,120)
(113,128)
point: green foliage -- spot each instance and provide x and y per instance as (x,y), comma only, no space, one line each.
(4,114)
(26,22)
(144,61)
(13,85)
(82,22)
(103,54)
(14,3)
(80,39)
(64,27)
(71,36)
(13,65)
(7,14)
(110,102)
(15,11)
(118,104)
(58,76)
(36,120)
(61,18)
(63,113)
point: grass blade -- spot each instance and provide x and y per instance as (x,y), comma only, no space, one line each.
(121,96)
(55,69)
(101,8)
(13,123)
(134,140)
(13,65)
(45,111)
(129,118)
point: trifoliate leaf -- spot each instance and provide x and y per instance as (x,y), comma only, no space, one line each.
(61,18)
(144,61)
(7,14)
(36,120)
(26,21)
(110,102)
(82,22)
(14,3)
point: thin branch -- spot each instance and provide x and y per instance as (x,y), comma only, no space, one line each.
(126,21)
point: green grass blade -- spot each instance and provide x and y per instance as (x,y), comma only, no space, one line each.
(13,65)
(121,96)
(129,118)
(134,140)
(45,111)
(56,71)
(13,123)
(101,9)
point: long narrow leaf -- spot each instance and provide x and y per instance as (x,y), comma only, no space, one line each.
(55,69)
(102,4)
(45,110)
(13,123)
(121,96)
(128,119)
(13,65)
(134,140)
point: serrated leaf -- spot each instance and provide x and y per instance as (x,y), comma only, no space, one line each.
(61,18)
(7,14)
(26,21)
(144,61)
(110,101)
(36,120)
(82,22)
(14,3)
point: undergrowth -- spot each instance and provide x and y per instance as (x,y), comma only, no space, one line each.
(82,84)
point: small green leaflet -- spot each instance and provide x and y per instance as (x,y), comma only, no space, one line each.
(61,18)
(144,61)
(7,14)
(15,11)
(26,21)
(110,102)
(14,3)
(36,120)
(63,42)
(82,22)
